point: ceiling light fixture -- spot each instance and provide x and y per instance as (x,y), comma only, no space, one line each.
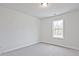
(44,4)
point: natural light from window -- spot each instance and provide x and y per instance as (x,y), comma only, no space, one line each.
(57,27)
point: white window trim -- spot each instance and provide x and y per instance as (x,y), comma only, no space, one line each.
(55,36)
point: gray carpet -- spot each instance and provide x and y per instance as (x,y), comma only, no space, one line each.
(42,49)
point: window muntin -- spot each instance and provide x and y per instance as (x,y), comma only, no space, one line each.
(57,28)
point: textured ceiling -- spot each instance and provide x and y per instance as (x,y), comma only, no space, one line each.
(36,10)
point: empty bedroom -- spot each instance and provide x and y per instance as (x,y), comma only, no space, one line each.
(39,29)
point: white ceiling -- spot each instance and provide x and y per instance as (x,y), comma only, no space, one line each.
(36,10)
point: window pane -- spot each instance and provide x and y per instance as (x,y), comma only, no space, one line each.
(58,29)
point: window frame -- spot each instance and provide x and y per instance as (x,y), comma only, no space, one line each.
(53,30)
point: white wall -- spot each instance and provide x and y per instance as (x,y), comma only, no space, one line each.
(71,30)
(17,30)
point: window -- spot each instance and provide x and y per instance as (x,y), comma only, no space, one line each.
(57,27)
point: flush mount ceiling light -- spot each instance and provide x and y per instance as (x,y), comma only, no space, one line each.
(44,4)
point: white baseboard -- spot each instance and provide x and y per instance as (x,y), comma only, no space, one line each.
(20,46)
(26,45)
(64,46)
